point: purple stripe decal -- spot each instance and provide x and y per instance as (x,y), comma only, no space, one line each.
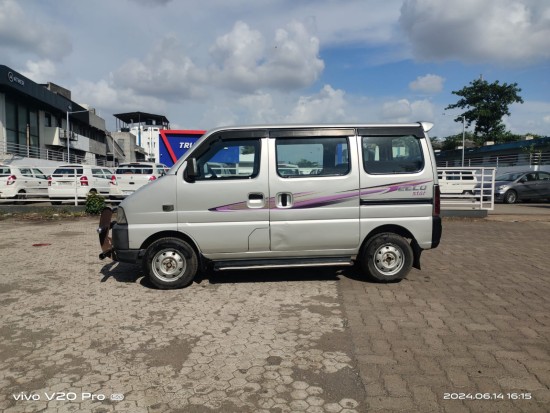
(308,200)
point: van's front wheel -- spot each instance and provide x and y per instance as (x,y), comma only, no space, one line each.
(171,263)
(387,257)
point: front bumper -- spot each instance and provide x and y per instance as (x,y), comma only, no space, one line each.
(121,246)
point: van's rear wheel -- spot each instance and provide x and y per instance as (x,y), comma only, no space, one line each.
(171,263)
(387,257)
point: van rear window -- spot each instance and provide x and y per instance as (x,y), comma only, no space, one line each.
(392,154)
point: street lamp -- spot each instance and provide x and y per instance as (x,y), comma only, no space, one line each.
(463,137)
(69,112)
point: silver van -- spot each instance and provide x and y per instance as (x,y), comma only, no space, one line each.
(374,200)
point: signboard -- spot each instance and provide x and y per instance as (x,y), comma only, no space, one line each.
(174,143)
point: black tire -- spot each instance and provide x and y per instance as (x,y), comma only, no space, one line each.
(171,263)
(21,198)
(387,257)
(510,197)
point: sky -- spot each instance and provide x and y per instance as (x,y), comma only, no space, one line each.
(205,64)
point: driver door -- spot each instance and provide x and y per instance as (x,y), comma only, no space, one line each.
(224,209)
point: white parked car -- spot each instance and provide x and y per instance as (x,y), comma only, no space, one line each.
(457,181)
(22,182)
(129,177)
(68,182)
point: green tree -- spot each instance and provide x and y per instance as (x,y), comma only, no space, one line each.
(486,104)
(454,141)
(305,163)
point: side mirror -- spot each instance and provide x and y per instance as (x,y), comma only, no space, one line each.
(191,170)
(522,180)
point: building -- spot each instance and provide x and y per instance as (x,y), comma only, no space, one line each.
(511,155)
(145,127)
(33,123)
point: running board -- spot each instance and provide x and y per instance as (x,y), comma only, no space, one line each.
(282,263)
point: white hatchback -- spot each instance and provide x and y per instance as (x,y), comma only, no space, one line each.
(22,182)
(129,177)
(75,182)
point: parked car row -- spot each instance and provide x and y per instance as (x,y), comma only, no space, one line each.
(74,182)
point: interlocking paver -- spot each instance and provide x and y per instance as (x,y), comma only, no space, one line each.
(73,326)
(474,323)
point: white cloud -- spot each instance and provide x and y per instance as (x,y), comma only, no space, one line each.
(397,111)
(40,71)
(152,3)
(509,31)
(529,117)
(403,111)
(104,96)
(238,55)
(430,84)
(244,62)
(166,72)
(24,33)
(260,108)
(422,110)
(326,106)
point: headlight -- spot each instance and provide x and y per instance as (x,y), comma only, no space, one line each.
(501,188)
(121,216)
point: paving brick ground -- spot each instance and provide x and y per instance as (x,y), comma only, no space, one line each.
(73,327)
(475,322)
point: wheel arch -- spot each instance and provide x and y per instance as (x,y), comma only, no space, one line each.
(173,234)
(395,229)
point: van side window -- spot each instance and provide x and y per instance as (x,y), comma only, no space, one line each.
(312,156)
(392,154)
(230,159)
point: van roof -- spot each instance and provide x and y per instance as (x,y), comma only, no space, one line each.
(426,126)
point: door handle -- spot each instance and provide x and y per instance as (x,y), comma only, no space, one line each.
(284,200)
(255,200)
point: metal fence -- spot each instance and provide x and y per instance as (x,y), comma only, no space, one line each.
(467,188)
(56,155)
(501,161)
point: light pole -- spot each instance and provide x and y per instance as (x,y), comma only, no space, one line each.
(69,112)
(463,137)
